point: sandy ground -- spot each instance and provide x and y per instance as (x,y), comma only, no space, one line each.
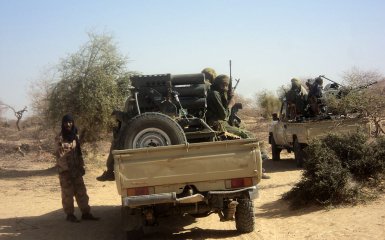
(30,207)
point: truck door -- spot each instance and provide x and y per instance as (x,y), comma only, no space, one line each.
(279,129)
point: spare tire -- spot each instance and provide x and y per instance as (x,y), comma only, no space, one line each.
(152,129)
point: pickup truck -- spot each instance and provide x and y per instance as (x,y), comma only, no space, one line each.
(294,135)
(168,161)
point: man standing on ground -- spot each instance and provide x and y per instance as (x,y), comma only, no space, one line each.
(71,170)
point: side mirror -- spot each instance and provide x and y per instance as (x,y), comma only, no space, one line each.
(275,117)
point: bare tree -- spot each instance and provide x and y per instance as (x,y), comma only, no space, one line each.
(18,114)
(368,101)
(39,92)
(1,110)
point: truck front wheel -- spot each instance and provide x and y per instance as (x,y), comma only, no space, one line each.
(244,216)
(275,150)
(299,154)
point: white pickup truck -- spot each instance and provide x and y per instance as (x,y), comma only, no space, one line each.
(168,161)
(296,135)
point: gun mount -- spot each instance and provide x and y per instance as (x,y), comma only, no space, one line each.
(180,100)
(173,95)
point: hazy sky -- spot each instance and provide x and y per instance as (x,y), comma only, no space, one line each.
(269,42)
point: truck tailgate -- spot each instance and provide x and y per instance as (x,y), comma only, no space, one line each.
(187,163)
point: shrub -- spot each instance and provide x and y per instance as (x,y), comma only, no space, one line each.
(324,180)
(339,169)
(268,102)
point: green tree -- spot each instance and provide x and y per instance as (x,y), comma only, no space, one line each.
(91,83)
(268,103)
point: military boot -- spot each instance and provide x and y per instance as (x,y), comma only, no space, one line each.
(89,216)
(106,176)
(72,218)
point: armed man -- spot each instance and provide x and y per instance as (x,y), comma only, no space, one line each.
(315,95)
(219,104)
(296,99)
(71,170)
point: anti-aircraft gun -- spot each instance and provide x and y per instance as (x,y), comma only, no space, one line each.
(338,90)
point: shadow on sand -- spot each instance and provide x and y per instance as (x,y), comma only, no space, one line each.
(11,173)
(52,225)
(280,209)
(282,165)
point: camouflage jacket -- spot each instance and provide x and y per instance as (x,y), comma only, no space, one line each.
(69,157)
(217,109)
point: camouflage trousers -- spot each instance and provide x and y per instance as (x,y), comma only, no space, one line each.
(226,127)
(70,188)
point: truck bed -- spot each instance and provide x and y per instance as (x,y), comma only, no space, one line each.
(179,165)
(316,129)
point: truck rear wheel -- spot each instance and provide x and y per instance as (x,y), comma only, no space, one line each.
(152,130)
(132,223)
(244,216)
(299,154)
(275,151)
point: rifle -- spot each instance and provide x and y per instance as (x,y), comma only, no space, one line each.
(230,91)
(234,120)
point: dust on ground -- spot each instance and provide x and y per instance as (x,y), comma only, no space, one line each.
(30,202)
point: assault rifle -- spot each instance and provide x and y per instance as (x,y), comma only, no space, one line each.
(234,120)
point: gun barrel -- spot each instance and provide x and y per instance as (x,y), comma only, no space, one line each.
(323,76)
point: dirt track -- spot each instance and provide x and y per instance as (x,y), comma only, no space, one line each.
(30,207)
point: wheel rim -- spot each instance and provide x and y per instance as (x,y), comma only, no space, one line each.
(151,137)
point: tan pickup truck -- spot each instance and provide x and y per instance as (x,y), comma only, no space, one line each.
(198,179)
(295,135)
(168,161)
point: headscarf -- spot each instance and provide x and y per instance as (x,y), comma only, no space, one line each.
(210,74)
(69,135)
(295,84)
(218,81)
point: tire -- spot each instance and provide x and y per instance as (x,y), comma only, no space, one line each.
(299,154)
(152,130)
(134,235)
(244,216)
(275,150)
(132,223)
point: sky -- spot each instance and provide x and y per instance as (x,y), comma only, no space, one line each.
(268,42)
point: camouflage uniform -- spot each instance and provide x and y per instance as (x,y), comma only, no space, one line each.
(218,113)
(71,170)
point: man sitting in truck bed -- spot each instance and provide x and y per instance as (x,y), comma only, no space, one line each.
(296,99)
(218,108)
(218,111)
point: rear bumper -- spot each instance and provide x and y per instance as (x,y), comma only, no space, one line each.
(152,199)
